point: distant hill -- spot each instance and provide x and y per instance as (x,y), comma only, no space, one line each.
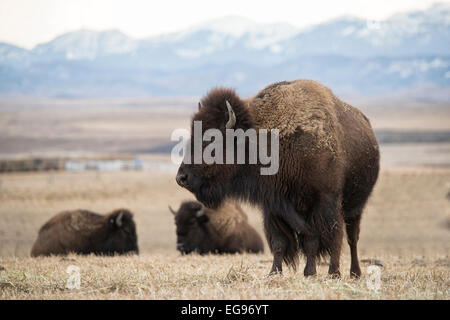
(352,56)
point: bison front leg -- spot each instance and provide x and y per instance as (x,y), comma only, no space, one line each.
(277,242)
(278,248)
(282,228)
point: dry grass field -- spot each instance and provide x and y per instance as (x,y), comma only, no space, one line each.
(405,228)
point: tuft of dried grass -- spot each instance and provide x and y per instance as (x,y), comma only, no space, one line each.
(402,229)
(170,276)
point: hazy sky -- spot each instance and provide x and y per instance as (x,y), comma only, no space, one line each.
(29,22)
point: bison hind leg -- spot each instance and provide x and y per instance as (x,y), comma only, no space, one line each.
(352,225)
(352,212)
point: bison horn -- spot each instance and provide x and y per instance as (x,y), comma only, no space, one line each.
(200,105)
(200,212)
(119,219)
(173,211)
(231,116)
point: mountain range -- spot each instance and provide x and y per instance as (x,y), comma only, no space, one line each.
(405,53)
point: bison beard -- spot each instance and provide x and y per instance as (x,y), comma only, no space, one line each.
(329,162)
(210,195)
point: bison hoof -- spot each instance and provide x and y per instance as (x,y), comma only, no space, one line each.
(355,274)
(335,274)
(274,273)
(309,273)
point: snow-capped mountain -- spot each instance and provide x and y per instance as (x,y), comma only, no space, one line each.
(257,35)
(405,34)
(351,55)
(86,44)
(13,56)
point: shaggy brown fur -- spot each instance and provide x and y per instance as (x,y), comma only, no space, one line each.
(86,232)
(225,230)
(329,163)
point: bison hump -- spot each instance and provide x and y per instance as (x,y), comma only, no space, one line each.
(300,105)
(85,221)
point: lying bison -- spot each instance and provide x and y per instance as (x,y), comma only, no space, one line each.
(204,230)
(328,166)
(86,232)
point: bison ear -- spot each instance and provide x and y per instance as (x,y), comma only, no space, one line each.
(201,216)
(200,105)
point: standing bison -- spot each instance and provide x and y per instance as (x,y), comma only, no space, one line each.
(328,166)
(86,232)
(204,230)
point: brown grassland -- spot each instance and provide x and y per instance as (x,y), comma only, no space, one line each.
(405,227)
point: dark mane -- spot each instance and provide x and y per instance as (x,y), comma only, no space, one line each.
(214,108)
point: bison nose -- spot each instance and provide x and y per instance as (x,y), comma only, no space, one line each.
(182,179)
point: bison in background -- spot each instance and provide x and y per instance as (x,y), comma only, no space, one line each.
(204,230)
(86,232)
(328,166)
